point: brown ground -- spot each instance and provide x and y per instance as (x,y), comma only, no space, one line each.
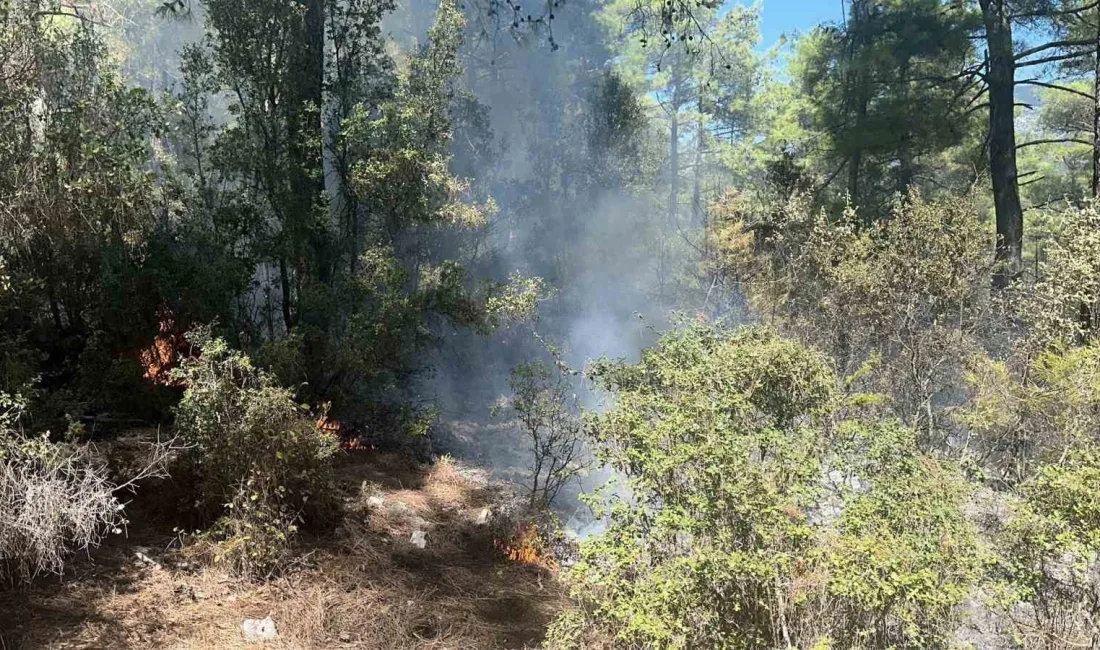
(363,586)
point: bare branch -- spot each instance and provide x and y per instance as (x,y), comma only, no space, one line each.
(1032,143)
(1054,59)
(1036,82)
(1081,42)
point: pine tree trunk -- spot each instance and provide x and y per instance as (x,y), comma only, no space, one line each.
(1096,114)
(1001,78)
(304,131)
(860,93)
(905,144)
(697,185)
(674,164)
(284,285)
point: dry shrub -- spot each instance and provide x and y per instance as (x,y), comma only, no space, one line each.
(363,586)
(59,498)
(54,500)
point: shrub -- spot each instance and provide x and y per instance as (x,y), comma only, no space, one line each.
(261,466)
(545,405)
(910,291)
(1064,303)
(55,499)
(751,520)
(1049,560)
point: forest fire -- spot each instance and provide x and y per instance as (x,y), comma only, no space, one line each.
(349,438)
(163,355)
(527,546)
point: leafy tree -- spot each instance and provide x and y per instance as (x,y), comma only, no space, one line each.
(1055,167)
(78,196)
(343,202)
(700,75)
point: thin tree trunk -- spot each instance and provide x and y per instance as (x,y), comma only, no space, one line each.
(674,176)
(1086,315)
(1096,115)
(905,144)
(284,281)
(859,92)
(305,143)
(697,190)
(674,164)
(1001,78)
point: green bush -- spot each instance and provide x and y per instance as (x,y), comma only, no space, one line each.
(260,464)
(1049,555)
(752,520)
(910,292)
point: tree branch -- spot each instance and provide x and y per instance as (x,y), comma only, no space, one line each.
(986,105)
(1059,12)
(1032,143)
(76,14)
(1052,59)
(1053,45)
(973,71)
(1036,82)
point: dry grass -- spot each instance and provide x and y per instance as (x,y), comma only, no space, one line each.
(363,586)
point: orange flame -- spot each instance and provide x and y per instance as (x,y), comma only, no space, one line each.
(527,547)
(348,438)
(160,358)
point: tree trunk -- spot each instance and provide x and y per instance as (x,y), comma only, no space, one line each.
(859,92)
(697,188)
(905,143)
(672,220)
(284,284)
(1001,78)
(1096,114)
(674,163)
(305,142)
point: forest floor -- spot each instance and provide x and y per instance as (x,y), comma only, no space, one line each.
(365,585)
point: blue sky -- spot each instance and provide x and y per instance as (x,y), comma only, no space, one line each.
(781,16)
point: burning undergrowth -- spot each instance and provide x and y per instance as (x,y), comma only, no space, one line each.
(528,545)
(366,586)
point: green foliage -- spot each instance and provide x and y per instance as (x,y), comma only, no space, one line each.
(881,98)
(1063,306)
(1025,414)
(749,521)
(261,465)
(904,555)
(1050,554)
(76,195)
(1058,171)
(911,291)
